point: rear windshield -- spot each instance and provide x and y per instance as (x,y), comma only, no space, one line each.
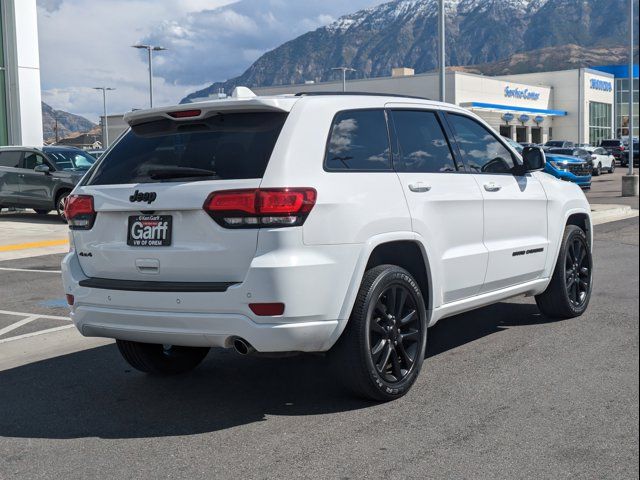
(554,144)
(610,143)
(226,146)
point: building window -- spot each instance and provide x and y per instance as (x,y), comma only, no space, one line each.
(599,122)
(622,107)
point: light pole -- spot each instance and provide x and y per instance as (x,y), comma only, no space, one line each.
(441,50)
(344,71)
(105,125)
(150,49)
(630,181)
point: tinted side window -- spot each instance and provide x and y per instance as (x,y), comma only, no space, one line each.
(480,149)
(358,141)
(31,160)
(10,159)
(422,145)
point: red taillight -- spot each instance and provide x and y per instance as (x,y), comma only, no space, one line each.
(79,212)
(267,309)
(70,299)
(254,208)
(185,113)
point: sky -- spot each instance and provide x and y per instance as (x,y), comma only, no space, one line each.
(86,44)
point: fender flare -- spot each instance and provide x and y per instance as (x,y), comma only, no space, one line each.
(359,270)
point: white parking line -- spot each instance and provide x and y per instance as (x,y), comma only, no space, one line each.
(7,269)
(33,334)
(18,324)
(37,315)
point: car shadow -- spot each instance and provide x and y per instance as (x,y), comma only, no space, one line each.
(93,393)
(29,216)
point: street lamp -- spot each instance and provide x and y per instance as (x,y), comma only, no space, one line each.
(150,49)
(630,181)
(441,49)
(105,125)
(344,71)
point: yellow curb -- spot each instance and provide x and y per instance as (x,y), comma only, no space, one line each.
(24,246)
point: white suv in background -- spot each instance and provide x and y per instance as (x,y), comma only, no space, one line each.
(332,223)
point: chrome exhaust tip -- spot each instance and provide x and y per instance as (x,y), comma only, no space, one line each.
(243,347)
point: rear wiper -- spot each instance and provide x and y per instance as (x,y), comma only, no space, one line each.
(179,172)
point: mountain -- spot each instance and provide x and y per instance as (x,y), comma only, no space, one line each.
(404,33)
(552,58)
(68,123)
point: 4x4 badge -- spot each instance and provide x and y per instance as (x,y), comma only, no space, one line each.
(143,197)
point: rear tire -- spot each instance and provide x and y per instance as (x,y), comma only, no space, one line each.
(161,359)
(598,170)
(569,291)
(381,351)
(41,212)
(612,168)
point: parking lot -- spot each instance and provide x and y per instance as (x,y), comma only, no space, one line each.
(504,393)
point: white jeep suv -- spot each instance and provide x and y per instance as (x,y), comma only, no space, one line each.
(332,223)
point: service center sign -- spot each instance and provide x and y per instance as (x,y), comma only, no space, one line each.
(521,93)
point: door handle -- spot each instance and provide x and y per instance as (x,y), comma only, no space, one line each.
(492,187)
(419,187)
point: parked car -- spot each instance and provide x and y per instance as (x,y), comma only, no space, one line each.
(275,225)
(602,160)
(575,152)
(624,158)
(557,144)
(516,146)
(569,168)
(40,178)
(614,146)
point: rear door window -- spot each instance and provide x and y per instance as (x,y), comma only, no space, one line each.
(359,141)
(10,159)
(227,146)
(421,143)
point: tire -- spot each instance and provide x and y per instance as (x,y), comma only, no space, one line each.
(569,292)
(598,170)
(389,312)
(41,212)
(161,359)
(612,168)
(60,199)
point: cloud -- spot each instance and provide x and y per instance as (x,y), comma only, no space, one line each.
(214,45)
(86,43)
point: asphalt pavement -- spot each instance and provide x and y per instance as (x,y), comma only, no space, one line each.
(504,393)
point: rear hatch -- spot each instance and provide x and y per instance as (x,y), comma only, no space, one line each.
(148,194)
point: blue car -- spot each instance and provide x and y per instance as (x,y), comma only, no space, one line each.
(571,169)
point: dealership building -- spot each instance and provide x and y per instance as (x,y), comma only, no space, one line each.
(20,108)
(578,105)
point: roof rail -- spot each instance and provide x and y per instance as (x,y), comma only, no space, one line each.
(369,94)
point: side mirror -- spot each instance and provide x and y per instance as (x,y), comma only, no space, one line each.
(42,168)
(534,159)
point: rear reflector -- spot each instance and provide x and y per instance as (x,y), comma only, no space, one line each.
(255,208)
(79,212)
(70,299)
(185,113)
(267,309)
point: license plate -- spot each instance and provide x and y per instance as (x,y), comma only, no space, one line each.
(149,231)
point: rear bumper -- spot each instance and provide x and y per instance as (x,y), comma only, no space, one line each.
(201,330)
(312,283)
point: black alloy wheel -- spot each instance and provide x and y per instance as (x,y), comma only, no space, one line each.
(395,331)
(569,291)
(577,272)
(381,351)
